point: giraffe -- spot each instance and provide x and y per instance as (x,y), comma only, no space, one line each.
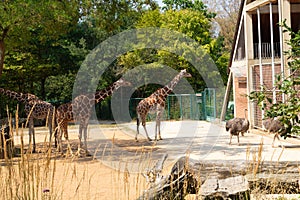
(82,105)
(64,115)
(156,103)
(35,108)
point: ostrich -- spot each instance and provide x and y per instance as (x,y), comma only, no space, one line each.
(267,124)
(236,126)
(277,128)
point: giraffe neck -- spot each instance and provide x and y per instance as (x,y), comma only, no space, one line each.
(173,83)
(167,89)
(14,95)
(102,94)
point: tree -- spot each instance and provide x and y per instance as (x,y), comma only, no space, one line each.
(226,18)
(287,111)
(195,5)
(21,20)
(195,24)
(46,41)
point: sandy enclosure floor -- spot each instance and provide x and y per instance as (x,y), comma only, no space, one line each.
(112,171)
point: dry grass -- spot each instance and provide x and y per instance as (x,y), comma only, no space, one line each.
(49,175)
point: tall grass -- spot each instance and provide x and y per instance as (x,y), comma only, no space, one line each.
(49,175)
(28,176)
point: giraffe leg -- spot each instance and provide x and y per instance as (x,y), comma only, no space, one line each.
(238,139)
(137,128)
(50,132)
(158,121)
(60,130)
(85,137)
(58,138)
(144,125)
(65,131)
(155,137)
(69,147)
(56,135)
(32,146)
(143,120)
(79,137)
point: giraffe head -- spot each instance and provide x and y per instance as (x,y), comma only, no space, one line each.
(184,73)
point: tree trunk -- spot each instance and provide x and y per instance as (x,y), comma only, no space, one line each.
(225,179)
(43,93)
(2,47)
(2,52)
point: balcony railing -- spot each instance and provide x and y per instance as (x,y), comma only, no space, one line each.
(266,50)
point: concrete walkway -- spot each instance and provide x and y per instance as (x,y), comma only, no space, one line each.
(208,141)
(115,145)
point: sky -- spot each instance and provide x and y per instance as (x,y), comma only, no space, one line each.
(159,3)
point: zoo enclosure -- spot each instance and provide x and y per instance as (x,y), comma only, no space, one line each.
(200,106)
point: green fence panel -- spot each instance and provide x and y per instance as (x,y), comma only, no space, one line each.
(178,107)
(209,99)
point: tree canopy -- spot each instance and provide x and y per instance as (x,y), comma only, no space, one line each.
(43,43)
(193,23)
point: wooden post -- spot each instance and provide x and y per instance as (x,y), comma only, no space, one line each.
(261,80)
(272,52)
(226,99)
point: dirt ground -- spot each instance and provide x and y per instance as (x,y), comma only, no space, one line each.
(104,174)
(116,163)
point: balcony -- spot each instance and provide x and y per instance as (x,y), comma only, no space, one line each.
(266,50)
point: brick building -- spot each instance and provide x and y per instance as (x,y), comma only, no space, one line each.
(257,55)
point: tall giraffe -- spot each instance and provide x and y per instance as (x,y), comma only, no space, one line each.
(156,103)
(34,109)
(82,105)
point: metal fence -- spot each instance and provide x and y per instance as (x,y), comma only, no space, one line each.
(178,107)
(201,106)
